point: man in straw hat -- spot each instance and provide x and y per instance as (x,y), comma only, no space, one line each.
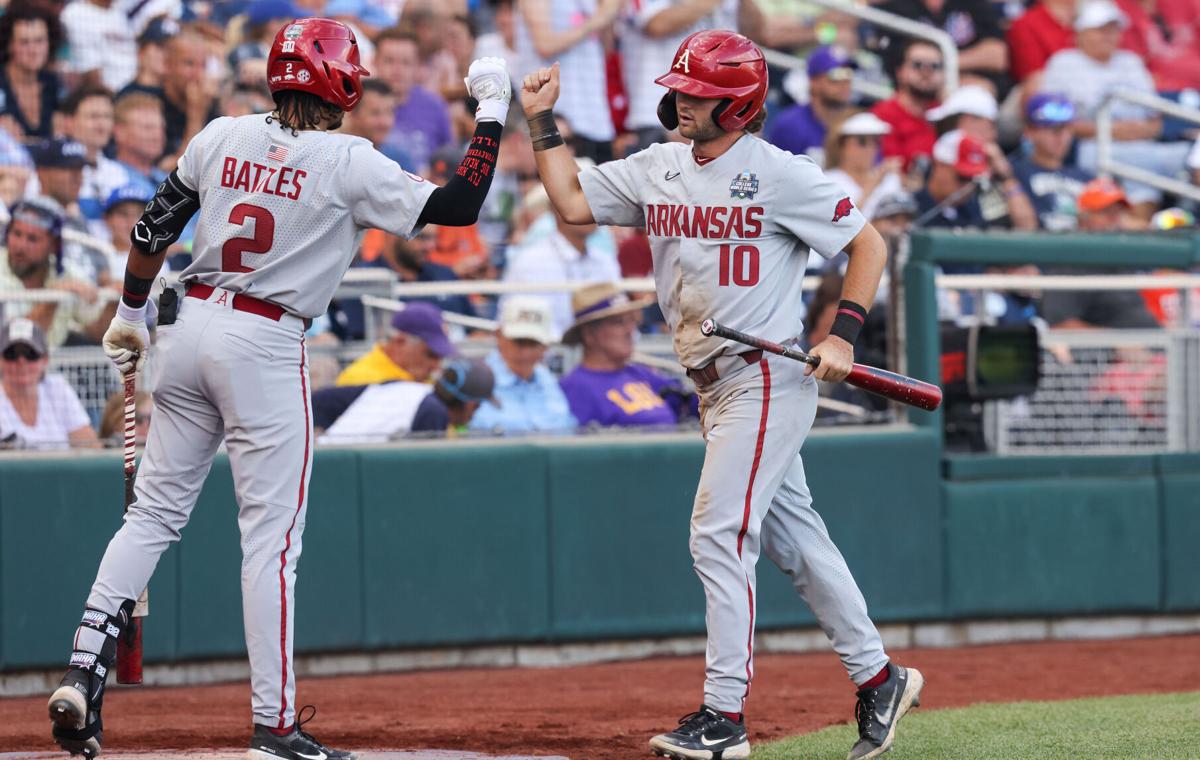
(605,389)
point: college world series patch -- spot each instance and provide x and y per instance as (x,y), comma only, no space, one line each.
(744,186)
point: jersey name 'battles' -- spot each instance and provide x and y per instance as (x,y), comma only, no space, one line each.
(729,238)
(281,215)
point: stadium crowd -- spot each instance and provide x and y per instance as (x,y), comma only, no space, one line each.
(99,97)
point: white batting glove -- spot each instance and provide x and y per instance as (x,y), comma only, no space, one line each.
(489,83)
(127,339)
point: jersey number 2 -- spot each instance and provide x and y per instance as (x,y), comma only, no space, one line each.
(264,237)
(741,266)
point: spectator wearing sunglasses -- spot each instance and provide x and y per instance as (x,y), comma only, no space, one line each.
(853,161)
(37,410)
(1051,184)
(919,83)
(974,25)
(801,128)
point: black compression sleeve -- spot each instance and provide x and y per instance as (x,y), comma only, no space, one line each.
(457,203)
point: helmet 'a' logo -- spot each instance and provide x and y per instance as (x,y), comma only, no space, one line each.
(843,209)
(683,61)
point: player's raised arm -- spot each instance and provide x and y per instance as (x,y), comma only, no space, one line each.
(457,203)
(555,164)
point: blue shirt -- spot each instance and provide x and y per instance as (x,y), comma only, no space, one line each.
(1053,192)
(796,130)
(422,126)
(533,405)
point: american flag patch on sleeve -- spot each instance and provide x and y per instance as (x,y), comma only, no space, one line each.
(277,152)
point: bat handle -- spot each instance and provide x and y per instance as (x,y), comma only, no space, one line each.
(130,422)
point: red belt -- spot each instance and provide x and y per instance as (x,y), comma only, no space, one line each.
(241,302)
(708,374)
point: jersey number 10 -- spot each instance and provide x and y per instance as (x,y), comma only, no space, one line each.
(741,266)
(264,237)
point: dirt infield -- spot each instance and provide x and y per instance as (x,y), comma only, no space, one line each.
(609,711)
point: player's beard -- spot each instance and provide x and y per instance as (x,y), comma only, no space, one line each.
(701,131)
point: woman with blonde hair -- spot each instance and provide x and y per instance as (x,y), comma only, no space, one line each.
(852,159)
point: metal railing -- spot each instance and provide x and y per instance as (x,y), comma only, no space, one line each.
(889,21)
(1106,164)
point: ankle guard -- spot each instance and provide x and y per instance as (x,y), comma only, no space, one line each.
(97,665)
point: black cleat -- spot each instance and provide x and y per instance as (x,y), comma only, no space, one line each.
(704,735)
(880,709)
(75,714)
(297,745)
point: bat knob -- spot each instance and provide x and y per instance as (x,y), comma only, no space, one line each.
(708,327)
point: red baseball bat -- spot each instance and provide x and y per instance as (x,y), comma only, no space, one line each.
(906,390)
(129,646)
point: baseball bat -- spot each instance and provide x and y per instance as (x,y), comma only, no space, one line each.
(129,646)
(906,390)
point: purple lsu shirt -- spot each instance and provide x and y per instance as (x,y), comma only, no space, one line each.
(627,397)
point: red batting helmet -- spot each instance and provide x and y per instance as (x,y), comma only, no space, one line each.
(320,56)
(717,64)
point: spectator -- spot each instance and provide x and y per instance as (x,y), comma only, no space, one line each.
(528,398)
(187,95)
(1039,33)
(428,23)
(29,88)
(151,56)
(386,411)
(801,129)
(649,34)
(422,120)
(605,389)
(970,108)
(415,347)
(974,25)
(1165,36)
(122,209)
(1102,204)
(1051,185)
(894,214)
(112,419)
(568,253)
(60,164)
(919,83)
(37,410)
(374,117)
(501,42)
(410,260)
(1087,74)
(568,33)
(101,42)
(33,261)
(949,198)
(18,177)
(140,136)
(852,155)
(89,112)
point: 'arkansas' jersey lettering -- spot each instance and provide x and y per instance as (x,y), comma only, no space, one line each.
(283,181)
(708,222)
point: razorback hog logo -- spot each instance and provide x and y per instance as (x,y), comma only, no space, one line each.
(843,209)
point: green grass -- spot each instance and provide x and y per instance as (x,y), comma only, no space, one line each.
(1111,728)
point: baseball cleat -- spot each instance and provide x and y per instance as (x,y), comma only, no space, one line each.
(296,745)
(76,728)
(880,709)
(704,735)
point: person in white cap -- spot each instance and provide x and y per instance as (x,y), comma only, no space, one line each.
(970,108)
(528,398)
(853,161)
(1086,74)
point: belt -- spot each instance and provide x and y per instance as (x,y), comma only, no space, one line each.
(241,302)
(708,374)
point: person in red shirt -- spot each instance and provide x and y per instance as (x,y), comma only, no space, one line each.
(920,77)
(1165,38)
(1039,33)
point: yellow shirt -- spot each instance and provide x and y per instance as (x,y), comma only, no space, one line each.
(373,367)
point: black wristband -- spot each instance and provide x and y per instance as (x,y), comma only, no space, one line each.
(848,321)
(543,132)
(136,290)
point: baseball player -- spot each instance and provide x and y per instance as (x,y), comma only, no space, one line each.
(731,220)
(283,203)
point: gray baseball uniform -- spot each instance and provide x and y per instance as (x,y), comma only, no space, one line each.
(730,239)
(280,219)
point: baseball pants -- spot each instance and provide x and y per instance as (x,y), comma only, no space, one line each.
(227,374)
(753,498)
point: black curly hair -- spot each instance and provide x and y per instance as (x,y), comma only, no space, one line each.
(296,110)
(29,10)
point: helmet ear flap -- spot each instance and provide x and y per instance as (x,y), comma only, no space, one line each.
(719,111)
(667,112)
